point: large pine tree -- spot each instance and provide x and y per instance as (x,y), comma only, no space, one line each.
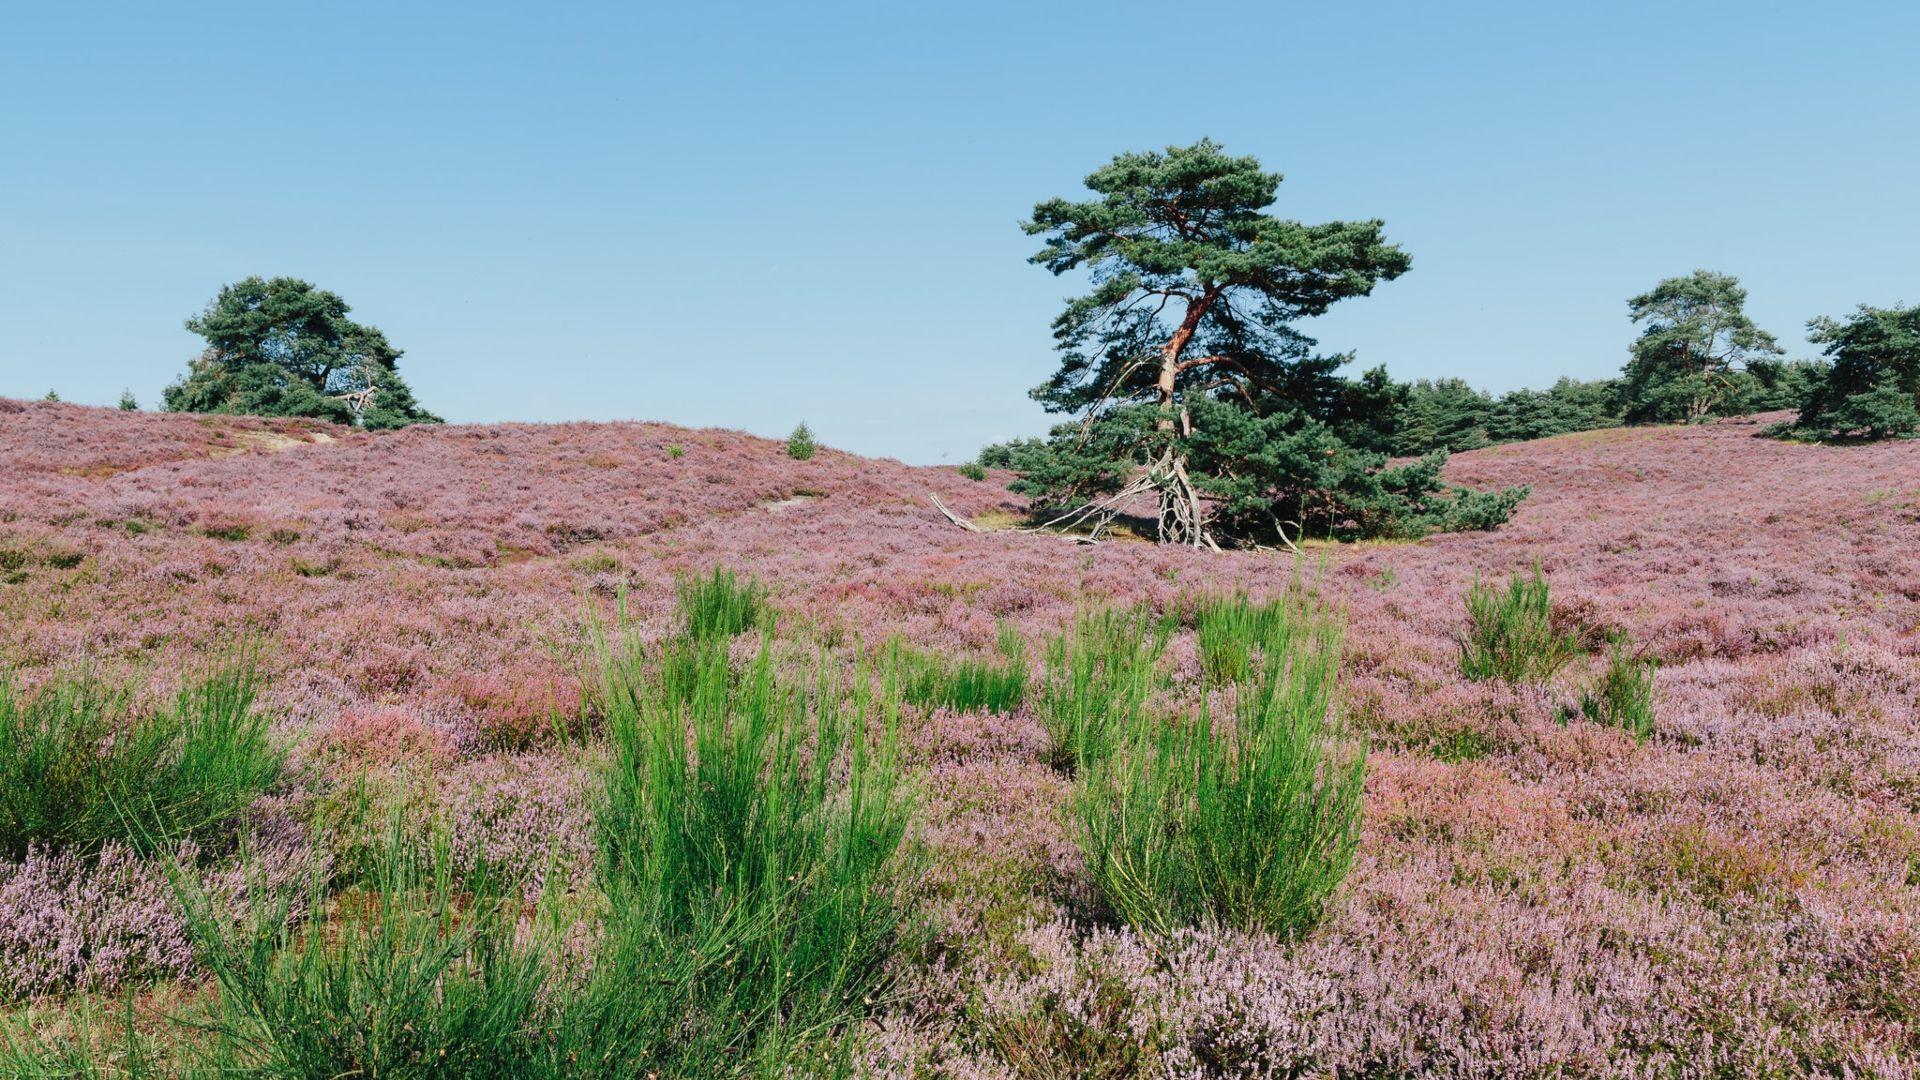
(281,347)
(1186,371)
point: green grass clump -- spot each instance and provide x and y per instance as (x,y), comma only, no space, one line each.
(79,766)
(1250,823)
(1623,696)
(720,606)
(1230,630)
(408,974)
(1100,673)
(970,684)
(1511,634)
(751,840)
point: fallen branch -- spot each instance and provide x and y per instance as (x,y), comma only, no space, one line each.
(951,516)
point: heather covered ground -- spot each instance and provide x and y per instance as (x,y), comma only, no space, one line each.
(1534,894)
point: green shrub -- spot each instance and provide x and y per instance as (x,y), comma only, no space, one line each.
(1251,823)
(970,684)
(1099,676)
(79,767)
(751,834)
(973,470)
(1511,634)
(1229,630)
(675,451)
(800,445)
(717,607)
(129,403)
(408,974)
(1623,697)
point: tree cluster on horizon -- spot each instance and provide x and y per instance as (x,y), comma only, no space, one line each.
(1188,380)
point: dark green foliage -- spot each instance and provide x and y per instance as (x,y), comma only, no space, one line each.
(800,445)
(52,395)
(1100,674)
(413,974)
(1623,696)
(1872,391)
(79,767)
(1189,327)
(756,829)
(973,470)
(1689,363)
(128,403)
(1511,634)
(1250,823)
(968,684)
(1783,384)
(282,347)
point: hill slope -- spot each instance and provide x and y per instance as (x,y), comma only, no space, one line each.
(1742,891)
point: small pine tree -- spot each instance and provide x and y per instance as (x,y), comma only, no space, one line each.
(800,445)
(128,403)
(52,395)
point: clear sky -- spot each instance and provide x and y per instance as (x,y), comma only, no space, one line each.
(748,215)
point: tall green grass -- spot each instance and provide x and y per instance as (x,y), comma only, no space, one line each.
(752,835)
(411,973)
(1623,695)
(1249,822)
(720,605)
(1100,674)
(968,684)
(79,766)
(1511,633)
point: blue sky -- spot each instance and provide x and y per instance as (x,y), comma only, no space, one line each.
(749,215)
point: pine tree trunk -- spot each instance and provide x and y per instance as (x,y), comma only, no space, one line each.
(1181,512)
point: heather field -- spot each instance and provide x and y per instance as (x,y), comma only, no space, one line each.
(455,633)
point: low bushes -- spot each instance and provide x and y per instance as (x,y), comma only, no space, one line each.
(968,684)
(1623,695)
(1511,633)
(752,831)
(1100,674)
(1249,822)
(79,767)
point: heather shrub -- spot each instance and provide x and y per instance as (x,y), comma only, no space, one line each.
(521,709)
(751,835)
(1100,673)
(1623,695)
(967,684)
(1511,634)
(800,444)
(80,767)
(1250,823)
(412,975)
(717,607)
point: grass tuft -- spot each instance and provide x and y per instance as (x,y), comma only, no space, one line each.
(750,840)
(80,767)
(1511,634)
(969,684)
(1251,823)
(1100,674)
(1623,696)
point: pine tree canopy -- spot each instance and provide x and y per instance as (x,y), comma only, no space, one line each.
(281,347)
(1187,373)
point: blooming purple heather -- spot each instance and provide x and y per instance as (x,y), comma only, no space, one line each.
(1534,893)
